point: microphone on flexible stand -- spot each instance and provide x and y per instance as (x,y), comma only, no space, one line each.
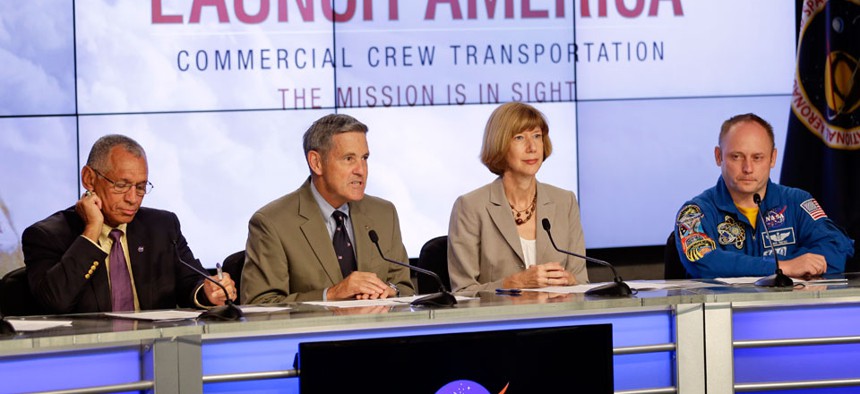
(228,311)
(617,288)
(778,279)
(6,327)
(440,298)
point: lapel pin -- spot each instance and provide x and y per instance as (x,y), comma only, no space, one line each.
(140,249)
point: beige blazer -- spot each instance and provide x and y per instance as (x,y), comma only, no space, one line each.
(484,246)
(290,257)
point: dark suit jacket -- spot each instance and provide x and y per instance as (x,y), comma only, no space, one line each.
(483,244)
(58,258)
(290,257)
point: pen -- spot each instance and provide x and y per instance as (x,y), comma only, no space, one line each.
(220,272)
(509,291)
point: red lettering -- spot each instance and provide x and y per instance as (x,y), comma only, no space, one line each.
(393,13)
(300,98)
(243,16)
(430,12)
(159,17)
(676,8)
(368,10)
(306,8)
(528,12)
(623,10)
(198,5)
(489,5)
(628,13)
(584,5)
(331,15)
(346,10)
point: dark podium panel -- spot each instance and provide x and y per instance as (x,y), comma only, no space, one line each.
(575,359)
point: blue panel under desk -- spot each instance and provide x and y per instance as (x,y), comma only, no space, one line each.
(807,321)
(68,370)
(797,363)
(258,354)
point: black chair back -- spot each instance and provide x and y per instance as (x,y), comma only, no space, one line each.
(16,299)
(434,257)
(673,268)
(233,265)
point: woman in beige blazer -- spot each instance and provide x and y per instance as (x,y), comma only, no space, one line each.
(494,236)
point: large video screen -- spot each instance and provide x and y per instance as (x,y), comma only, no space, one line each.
(220,92)
(507,361)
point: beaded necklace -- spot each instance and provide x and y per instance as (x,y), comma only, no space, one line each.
(528,212)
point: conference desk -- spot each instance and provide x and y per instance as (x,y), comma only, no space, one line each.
(714,339)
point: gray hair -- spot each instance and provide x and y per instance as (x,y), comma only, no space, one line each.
(318,137)
(100,153)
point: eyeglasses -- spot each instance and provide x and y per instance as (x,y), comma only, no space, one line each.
(122,187)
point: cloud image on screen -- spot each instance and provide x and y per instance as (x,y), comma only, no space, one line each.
(36,52)
(220,103)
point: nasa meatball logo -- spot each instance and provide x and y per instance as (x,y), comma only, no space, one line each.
(826,96)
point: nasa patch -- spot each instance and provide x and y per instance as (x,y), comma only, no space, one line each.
(775,218)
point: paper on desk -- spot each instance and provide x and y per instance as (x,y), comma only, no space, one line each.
(359,303)
(690,284)
(635,285)
(393,301)
(749,280)
(821,281)
(36,325)
(156,315)
(741,280)
(645,286)
(264,309)
(567,289)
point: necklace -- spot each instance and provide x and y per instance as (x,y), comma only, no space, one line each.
(528,212)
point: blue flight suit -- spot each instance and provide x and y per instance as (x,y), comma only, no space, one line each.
(715,240)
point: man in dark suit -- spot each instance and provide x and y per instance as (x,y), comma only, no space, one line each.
(107,253)
(312,244)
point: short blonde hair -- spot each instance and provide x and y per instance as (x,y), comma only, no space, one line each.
(506,121)
(750,117)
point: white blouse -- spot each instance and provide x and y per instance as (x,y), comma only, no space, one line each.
(529,251)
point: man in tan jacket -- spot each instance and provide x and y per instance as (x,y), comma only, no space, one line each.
(313,244)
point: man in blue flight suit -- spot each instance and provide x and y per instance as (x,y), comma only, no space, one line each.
(719,232)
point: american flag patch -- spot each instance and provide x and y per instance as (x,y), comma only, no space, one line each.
(813,209)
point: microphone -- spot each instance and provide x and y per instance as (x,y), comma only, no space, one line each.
(778,279)
(6,327)
(440,298)
(617,288)
(228,311)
